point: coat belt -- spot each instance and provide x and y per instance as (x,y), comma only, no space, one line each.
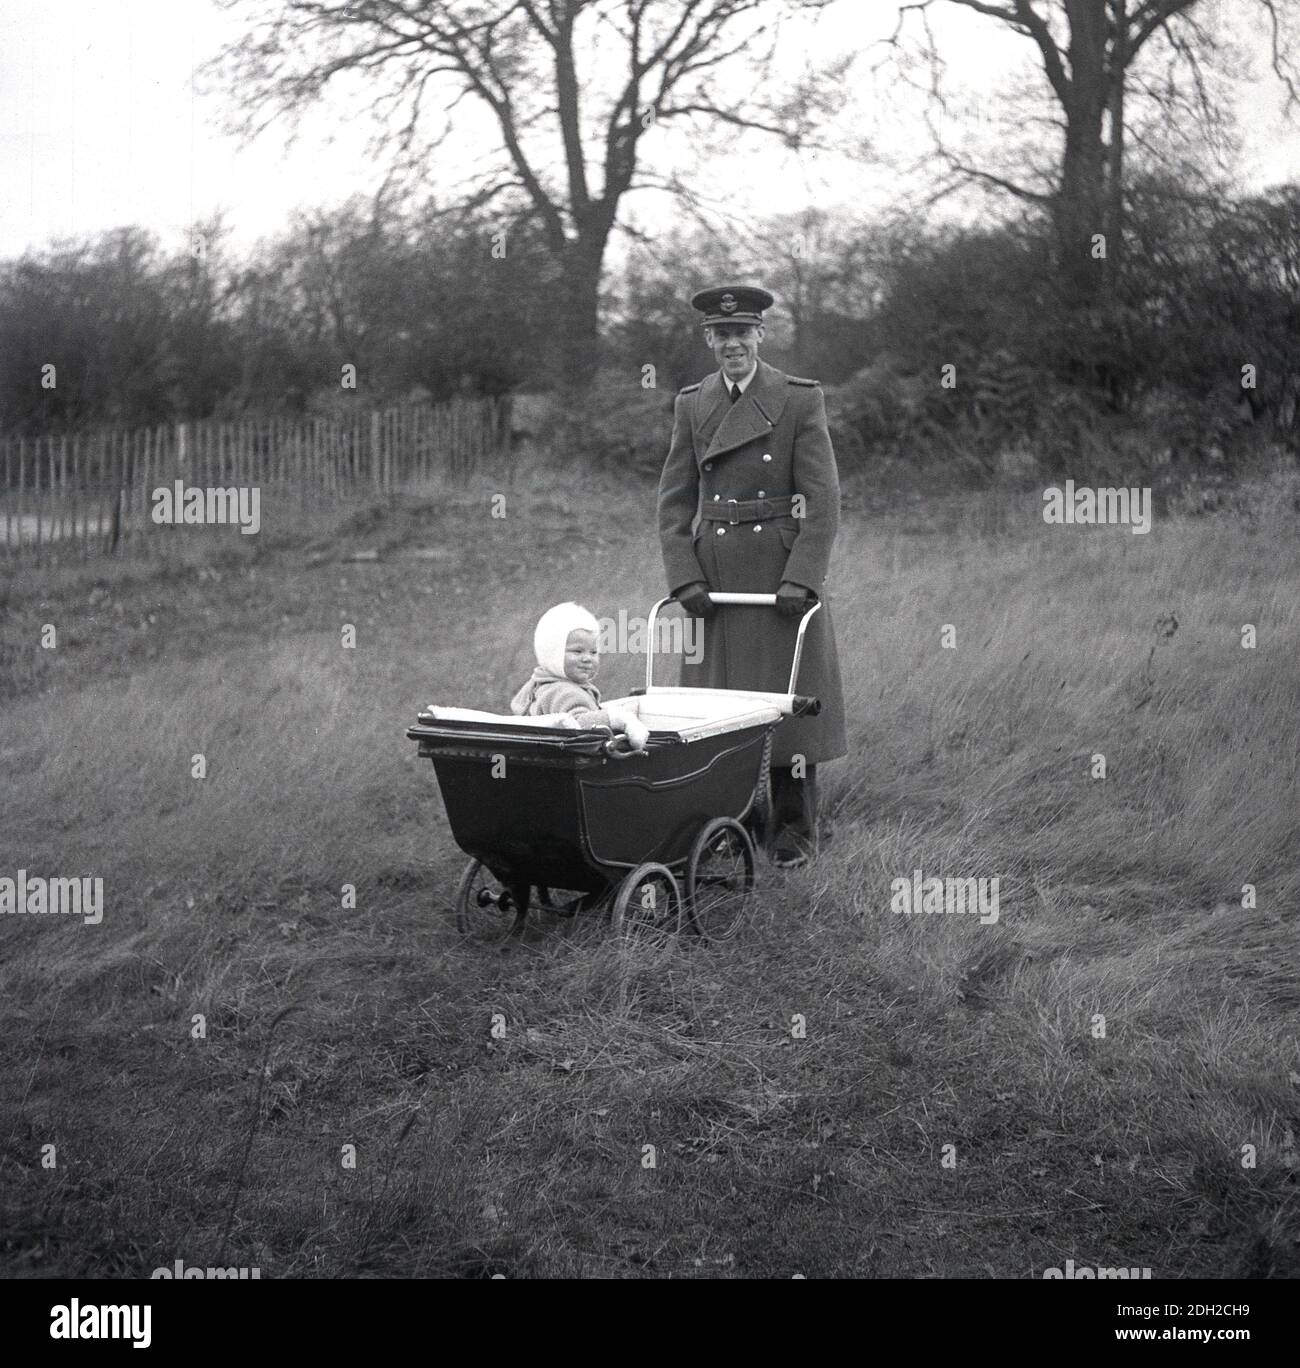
(747,510)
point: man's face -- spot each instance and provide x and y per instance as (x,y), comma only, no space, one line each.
(735,347)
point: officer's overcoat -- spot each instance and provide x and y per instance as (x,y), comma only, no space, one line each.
(771,443)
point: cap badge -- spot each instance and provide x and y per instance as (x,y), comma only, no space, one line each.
(728,304)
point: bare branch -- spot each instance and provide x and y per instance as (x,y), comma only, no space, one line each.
(735,120)
(1006,14)
(1155,14)
(1036,26)
(1282,69)
(989,178)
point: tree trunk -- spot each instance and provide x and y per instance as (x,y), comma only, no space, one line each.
(578,353)
(1081,204)
(1115,159)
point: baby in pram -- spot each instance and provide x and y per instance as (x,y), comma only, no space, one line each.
(567,647)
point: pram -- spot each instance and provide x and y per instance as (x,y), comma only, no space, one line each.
(570,821)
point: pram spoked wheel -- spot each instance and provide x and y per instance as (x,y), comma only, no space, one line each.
(485,909)
(719,880)
(648,899)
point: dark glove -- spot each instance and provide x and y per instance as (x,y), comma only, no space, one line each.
(695,599)
(792,600)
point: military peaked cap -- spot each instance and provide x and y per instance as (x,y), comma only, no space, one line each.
(732,304)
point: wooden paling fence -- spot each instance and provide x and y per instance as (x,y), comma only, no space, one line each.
(92,493)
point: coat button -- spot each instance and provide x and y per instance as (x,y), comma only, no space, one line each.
(722,531)
(716,497)
(762,493)
(708,465)
(758,527)
(767,456)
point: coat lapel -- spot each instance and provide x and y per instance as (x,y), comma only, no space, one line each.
(713,403)
(755,413)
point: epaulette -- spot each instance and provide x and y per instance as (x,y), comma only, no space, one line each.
(798,380)
(690,389)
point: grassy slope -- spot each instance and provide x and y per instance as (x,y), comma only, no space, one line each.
(774,1154)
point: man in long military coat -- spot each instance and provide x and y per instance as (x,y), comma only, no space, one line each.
(746,441)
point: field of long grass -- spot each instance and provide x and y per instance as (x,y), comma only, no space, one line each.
(1110,1073)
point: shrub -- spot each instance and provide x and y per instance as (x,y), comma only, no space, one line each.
(613,424)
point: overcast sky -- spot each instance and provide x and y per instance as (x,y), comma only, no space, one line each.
(101,124)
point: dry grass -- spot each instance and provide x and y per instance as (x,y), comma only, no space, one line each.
(774,1153)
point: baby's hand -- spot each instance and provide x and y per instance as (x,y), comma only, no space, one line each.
(632,727)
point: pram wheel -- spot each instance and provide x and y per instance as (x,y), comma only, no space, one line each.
(649,899)
(484,908)
(719,879)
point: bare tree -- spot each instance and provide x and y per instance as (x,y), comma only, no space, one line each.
(573,87)
(1089,51)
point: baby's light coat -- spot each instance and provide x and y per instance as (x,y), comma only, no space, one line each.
(546,692)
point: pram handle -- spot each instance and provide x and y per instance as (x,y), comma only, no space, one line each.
(729,597)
